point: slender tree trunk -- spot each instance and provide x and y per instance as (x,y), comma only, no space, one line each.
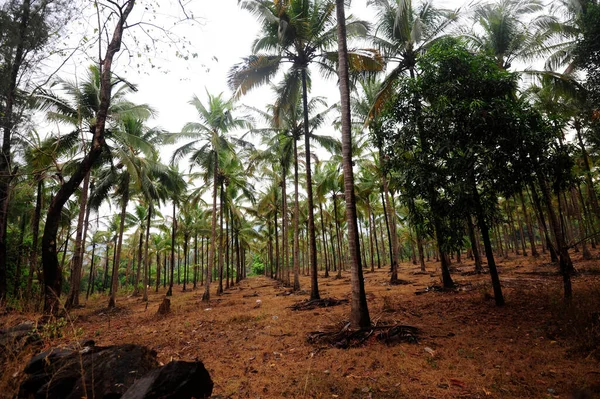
(324,239)
(376,242)
(588,174)
(371,231)
(221,244)
(339,236)
(146,256)
(551,247)
(314,283)
(158,274)
(91,277)
(359,312)
(474,246)
(173,232)
(530,232)
(566,266)
(17,279)
(227,249)
(115,278)
(105,276)
(52,270)
(35,229)
(7,124)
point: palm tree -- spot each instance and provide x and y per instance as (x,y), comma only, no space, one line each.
(301,33)
(404,32)
(216,119)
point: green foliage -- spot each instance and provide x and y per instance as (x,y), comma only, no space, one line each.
(457,136)
(258,267)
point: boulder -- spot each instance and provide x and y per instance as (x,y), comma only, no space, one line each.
(176,380)
(94,371)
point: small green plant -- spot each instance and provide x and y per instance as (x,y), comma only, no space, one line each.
(53,329)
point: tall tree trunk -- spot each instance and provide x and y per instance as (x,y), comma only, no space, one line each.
(530,232)
(35,230)
(359,312)
(75,280)
(338,236)
(324,240)
(371,230)
(195,261)
(173,232)
(536,201)
(146,256)
(489,253)
(138,274)
(566,266)
(474,246)
(587,255)
(376,242)
(278,274)
(52,270)
(185,260)
(17,279)
(588,174)
(314,282)
(115,278)
(91,276)
(158,274)
(7,124)
(221,210)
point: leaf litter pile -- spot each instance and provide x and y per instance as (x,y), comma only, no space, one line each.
(454,344)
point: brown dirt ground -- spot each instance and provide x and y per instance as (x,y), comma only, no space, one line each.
(530,348)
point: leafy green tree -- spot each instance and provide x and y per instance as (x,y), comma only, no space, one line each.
(24,38)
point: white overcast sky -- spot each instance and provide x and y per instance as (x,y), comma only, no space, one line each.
(226,35)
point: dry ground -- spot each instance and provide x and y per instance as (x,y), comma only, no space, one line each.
(468,348)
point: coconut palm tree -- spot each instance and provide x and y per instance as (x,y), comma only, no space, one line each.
(403,32)
(299,33)
(209,141)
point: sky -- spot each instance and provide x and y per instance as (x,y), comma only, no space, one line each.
(220,36)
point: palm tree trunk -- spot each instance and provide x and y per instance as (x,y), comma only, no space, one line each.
(35,229)
(115,277)
(91,276)
(371,231)
(75,279)
(375,239)
(338,235)
(146,256)
(359,312)
(173,231)
(221,244)
(314,282)
(324,240)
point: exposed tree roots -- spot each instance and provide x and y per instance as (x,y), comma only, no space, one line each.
(346,337)
(317,303)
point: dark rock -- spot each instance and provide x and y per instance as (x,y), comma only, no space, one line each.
(176,380)
(14,340)
(97,372)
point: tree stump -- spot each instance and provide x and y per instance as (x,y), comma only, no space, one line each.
(165,307)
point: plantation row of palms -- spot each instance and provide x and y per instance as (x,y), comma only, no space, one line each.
(265,190)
